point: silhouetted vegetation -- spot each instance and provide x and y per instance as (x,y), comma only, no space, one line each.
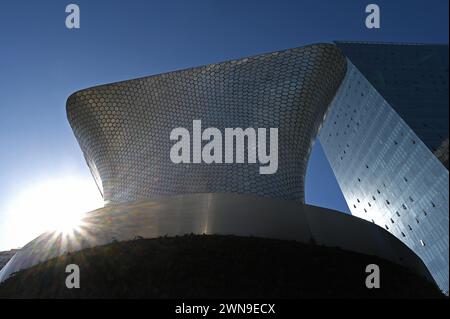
(201,266)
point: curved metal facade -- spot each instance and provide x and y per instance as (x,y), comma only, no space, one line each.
(220,214)
(123,128)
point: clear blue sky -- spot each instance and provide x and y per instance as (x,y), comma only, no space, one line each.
(42,63)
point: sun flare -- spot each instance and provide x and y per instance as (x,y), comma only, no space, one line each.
(54,205)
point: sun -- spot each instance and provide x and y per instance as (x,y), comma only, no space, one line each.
(57,204)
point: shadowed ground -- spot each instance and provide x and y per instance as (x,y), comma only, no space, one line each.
(206,266)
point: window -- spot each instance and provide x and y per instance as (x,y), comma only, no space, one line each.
(373,197)
(411,199)
(397,213)
(388,202)
(409,226)
(369,204)
(386,226)
(404,206)
(417,221)
(405,179)
(422,242)
(392,221)
(403,234)
(432,204)
(358,200)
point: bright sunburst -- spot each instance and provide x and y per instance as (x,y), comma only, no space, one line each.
(53,205)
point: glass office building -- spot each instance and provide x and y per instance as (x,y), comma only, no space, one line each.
(413,79)
(381,135)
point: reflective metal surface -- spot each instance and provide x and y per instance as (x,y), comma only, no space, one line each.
(386,173)
(220,214)
(123,128)
(413,79)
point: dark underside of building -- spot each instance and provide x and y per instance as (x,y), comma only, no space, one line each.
(205,266)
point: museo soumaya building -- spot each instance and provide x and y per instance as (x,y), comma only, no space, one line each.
(223,149)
